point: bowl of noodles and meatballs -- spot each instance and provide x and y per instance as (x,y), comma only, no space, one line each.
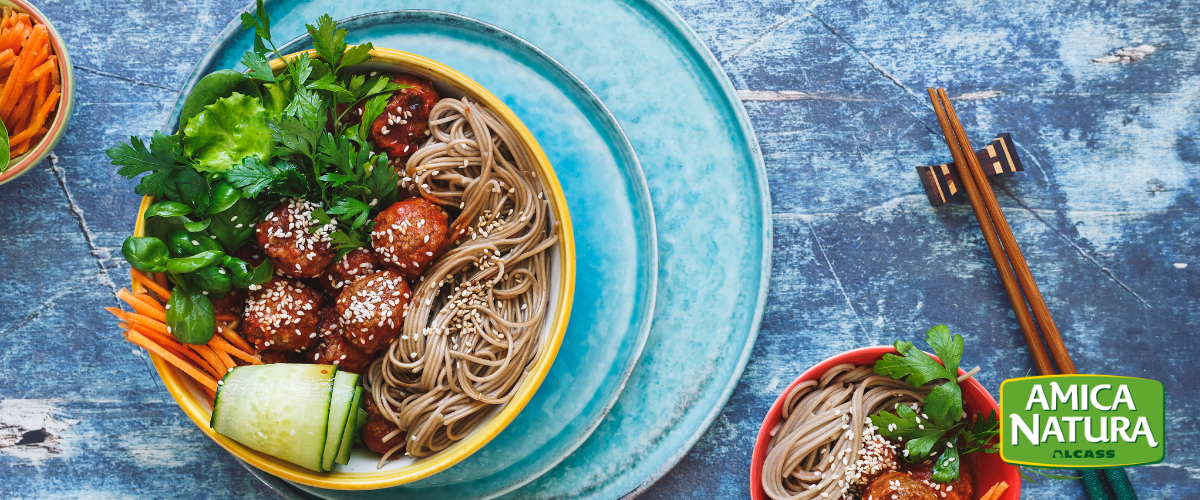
(452,313)
(819,439)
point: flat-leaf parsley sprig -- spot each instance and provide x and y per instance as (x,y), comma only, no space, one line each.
(319,154)
(939,427)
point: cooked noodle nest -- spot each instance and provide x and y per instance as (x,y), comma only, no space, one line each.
(475,322)
(813,451)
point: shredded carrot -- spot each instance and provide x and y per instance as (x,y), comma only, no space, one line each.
(224,357)
(204,379)
(20,113)
(141,307)
(30,80)
(43,90)
(39,72)
(170,344)
(149,299)
(48,104)
(16,80)
(995,492)
(161,279)
(235,339)
(140,320)
(149,282)
(220,344)
(13,38)
(208,355)
(226,318)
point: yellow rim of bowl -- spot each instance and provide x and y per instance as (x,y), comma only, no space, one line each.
(178,384)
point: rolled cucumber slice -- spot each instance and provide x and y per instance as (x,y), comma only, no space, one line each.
(281,410)
(344,386)
(343,456)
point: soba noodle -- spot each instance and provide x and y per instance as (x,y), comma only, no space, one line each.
(475,322)
(814,451)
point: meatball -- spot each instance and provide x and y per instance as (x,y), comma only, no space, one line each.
(959,489)
(230,306)
(250,253)
(334,348)
(897,486)
(281,315)
(285,237)
(404,124)
(373,308)
(377,427)
(272,357)
(356,264)
(409,235)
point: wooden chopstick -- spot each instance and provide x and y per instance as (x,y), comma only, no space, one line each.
(1032,338)
(1058,350)
(991,221)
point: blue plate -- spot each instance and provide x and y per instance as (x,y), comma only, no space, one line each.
(710,204)
(616,256)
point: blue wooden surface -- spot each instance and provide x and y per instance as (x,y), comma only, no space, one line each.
(1106,213)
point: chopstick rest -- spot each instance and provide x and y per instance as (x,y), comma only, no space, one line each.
(941,182)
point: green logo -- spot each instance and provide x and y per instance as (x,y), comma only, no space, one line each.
(1081,421)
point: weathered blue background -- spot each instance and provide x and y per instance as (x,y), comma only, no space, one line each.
(1106,213)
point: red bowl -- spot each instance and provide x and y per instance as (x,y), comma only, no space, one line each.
(989,468)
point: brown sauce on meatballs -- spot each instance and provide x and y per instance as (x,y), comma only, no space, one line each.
(284,236)
(897,486)
(404,124)
(409,235)
(378,427)
(334,348)
(373,308)
(281,315)
(959,489)
(356,264)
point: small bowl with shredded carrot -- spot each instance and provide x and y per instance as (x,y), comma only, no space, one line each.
(37,87)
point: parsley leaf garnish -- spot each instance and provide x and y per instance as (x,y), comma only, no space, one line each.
(381,184)
(356,55)
(251,176)
(259,67)
(329,41)
(919,435)
(171,173)
(945,469)
(940,430)
(944,402)
(350,207)
(135,158)
(260,21)
(979,434)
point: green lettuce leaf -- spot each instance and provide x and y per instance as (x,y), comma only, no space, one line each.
(226,132)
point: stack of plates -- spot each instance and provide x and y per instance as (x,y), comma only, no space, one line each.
(672,227)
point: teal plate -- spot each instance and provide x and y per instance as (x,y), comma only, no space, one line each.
(710,204)
(616,252)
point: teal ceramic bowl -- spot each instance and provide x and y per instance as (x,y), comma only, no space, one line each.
(57,122)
